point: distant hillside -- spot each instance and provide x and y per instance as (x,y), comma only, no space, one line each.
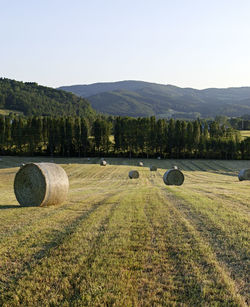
(137,98)
(33,99)
(97,88)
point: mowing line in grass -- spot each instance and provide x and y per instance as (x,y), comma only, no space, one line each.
(227,234)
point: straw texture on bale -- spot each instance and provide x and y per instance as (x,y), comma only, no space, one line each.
(140,163)
(41,184)
(153,168)
(103,163)
(173,177)
(244,174)
(133,174)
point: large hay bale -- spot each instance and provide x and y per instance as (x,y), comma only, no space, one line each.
(244,174)
(103,163)
(133,174)
(140,163)
(173,177)
(153,168)
(41,184)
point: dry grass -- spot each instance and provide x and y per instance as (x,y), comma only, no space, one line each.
(7,112)
(128,243)
(245,133)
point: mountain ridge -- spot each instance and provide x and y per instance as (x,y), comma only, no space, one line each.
(141,98)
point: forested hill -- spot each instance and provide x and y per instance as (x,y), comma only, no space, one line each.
(33,99)
(137,98)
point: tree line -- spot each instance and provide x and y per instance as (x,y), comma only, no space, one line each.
(75,136)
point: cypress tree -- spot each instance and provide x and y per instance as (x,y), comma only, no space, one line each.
(160,136)
(183,138)
(2,133)
(190,139)
(7,132)
(118,134)
(84,137)
(171,138)
(69,135)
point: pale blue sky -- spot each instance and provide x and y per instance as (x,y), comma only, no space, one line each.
(188,43)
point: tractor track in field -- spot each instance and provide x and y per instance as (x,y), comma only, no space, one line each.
(38,215)
(209,167)
(55,242)
(174,265)
(214,236)
(227,200)
(78,277)
(196,167)
(222,167)
(225,253)
(184,165)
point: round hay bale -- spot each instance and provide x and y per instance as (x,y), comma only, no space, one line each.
(133,174)
(140,163)
(173,177)
(244,174)
(103,163)
(153,168)
(41,184)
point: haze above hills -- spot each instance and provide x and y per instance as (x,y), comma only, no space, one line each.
(138,98)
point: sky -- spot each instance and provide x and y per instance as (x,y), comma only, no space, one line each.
(187,43)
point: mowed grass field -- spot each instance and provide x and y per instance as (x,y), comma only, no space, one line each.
(7,112)
(123,242)
(245,133)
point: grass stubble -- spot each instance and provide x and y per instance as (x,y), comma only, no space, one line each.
(125,242)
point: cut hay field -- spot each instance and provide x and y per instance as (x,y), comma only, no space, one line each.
(7,112)
(245,133)
(128,242)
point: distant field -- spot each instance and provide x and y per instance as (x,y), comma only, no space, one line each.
(7,112)
(127,242)
(245,133)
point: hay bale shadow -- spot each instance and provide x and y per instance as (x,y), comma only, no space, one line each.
(2,207)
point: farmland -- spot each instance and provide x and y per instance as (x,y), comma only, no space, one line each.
(7,112)
(124,242)
(245,133)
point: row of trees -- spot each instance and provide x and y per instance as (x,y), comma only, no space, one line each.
(120,136)
(63,136)
(177,139)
